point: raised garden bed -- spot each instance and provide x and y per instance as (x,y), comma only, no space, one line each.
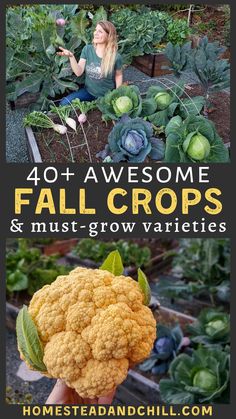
(152,64)
(46,145)
(24,100)
(60,247)
(189,307)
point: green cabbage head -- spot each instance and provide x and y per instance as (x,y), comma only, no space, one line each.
(163,100)
(197,146)
(212,327)
(124,100)
(193,139)
(122,105)
(202,377)
(205,380)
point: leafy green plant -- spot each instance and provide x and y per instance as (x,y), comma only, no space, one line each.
(178,55)
(213,72)
(162,103)
(211,328)
(166,347)
(97,251)
(178,31)
(203,266)
(32,63)
(192,140)
(138,32)
(42,120)
(27,269)
(203,377)
(205,61)
(124,100)
(84,107)
(132,140)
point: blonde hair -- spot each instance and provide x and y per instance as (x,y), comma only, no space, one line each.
(109,57)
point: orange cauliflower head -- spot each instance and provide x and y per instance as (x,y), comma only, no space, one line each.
(93,326)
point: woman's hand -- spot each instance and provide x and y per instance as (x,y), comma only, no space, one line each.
(61,394)
(65,53)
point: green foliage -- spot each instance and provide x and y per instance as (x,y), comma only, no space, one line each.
(38,119)
(166,347)
(138,32)
(84,107)
(212,71)
(211,328)
(203,377)
(203,266)
(27,268)
(144,285)
(205,61)
(132,140)
(179,134)
(32,40)
(113,263)
(108,107)
(178,31)
(178,55)
(160,109)
(28,340)
(97,251)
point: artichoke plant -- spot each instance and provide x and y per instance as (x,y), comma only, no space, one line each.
(132,140)
(201,378)
(211,328)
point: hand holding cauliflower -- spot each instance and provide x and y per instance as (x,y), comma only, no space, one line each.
(92,325)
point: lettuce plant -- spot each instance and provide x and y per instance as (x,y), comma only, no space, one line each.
(132,140)
(124,100)
(211,328)
(201,378)
(161,104)
(165,348)
(194,139)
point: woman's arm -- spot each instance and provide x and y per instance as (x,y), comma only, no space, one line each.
(118,78)
(78,68)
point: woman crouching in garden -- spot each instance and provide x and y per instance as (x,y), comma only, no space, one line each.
(100,62)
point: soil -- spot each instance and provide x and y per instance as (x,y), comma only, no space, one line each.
(219,112)
(54,147)
(211,22)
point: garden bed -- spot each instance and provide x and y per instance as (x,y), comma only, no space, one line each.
(48,146)
(60,247)
(220,112)
(152,64)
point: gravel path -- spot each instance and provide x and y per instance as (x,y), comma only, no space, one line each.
(18,390)
(16,149)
